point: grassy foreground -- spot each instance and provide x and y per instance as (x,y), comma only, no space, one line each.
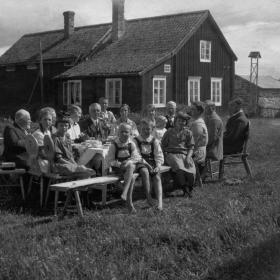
(224,232)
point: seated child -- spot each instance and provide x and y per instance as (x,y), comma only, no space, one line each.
(64,163)
(150,150)
(160,129)
(123,157)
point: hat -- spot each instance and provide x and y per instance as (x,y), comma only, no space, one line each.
(63,117)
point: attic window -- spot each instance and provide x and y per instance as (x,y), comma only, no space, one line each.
(205,51)
(167,68)
(10,69)
(31,67)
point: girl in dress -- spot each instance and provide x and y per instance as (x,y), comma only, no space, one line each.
(178,144)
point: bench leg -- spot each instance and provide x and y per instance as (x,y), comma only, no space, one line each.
(29,185)
(22,187)
(247,167)
(55,202)
(221,169)
(41,191)
(67,201)
(78,204)
(47,192)
(104,195)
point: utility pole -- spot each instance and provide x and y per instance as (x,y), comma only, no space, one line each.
(254,76)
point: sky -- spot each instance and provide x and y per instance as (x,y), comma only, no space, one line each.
(248,25)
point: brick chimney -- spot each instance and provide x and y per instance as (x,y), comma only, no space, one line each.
(118,20)
(68,23)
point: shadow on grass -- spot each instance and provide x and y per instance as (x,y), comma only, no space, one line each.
(258,263)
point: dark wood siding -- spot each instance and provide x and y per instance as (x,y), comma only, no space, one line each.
(147,82)
(94,88)
(188,64)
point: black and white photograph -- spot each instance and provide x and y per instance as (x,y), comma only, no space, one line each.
(138,140)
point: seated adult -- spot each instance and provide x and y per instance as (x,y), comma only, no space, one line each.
(178,144)
(106,115)
(14,139)
(149,113)
(75,113)
(94,126)
(236,128)
(171,113)
(214,149)
(45,124)
(124,112)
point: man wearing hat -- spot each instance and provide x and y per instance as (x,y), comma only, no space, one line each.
(236,128)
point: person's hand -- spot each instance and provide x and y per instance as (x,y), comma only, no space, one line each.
(156,170)
(189,161)
(116,163)
(125,164)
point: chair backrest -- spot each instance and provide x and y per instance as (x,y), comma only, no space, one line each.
(31,145)
(49,148)
(246,138)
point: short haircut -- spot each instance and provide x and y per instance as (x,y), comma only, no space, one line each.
(45,112)
(125,106)
(171,104)
(74,109)
(102,99)
(199,106)
(209,103)
(161,119)
(183,116)
(238,101)
(146,122)
(92,105)
(21,114)
(122,125)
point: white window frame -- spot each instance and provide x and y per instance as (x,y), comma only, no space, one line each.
(214,96)
(67,95)
(114,81)
(167,68)
(202,50)
(194,80)
(159,104)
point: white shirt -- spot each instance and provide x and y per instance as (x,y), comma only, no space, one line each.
(74,131)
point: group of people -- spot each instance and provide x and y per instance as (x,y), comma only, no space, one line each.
(178,139)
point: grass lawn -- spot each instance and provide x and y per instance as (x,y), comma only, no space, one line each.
(223,232)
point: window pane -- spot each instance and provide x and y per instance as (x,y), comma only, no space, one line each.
(155,96)
(78,93)
(117,92)
(161,96)
(111,92)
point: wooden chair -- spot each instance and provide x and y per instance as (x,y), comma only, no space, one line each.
(239,158)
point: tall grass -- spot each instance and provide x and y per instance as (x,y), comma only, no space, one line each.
(224,232)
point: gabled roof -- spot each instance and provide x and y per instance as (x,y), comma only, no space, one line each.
(146,42)
(54,46)
(265,82)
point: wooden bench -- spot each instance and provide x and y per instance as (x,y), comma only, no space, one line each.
(99,183)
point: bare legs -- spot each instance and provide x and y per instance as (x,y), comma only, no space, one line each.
(128,176)
(144,173)
(158,189)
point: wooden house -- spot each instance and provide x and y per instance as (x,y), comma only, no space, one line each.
(181,57)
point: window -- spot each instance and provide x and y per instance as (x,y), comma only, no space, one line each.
(193,89)
(167,68)
(205,51)
(31,67)
(216,91)
(159,91)
(72,92)
(10,69)
(114,92)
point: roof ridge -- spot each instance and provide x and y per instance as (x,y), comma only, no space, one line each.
(109,23)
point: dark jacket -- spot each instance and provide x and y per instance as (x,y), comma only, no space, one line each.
(170,122)
(97,131)
(14,148)
(237,129)
(215,136)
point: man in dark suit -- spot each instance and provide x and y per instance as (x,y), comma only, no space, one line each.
(14,139)
(171,113)
(237,128)
(94,126)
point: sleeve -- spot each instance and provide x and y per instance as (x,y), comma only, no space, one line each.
(39,137)
(190,141)
(135,155)
(164,141)
(58,154)
(215,131)
(159,158)
(134,131)
(12,139)
(112,117)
